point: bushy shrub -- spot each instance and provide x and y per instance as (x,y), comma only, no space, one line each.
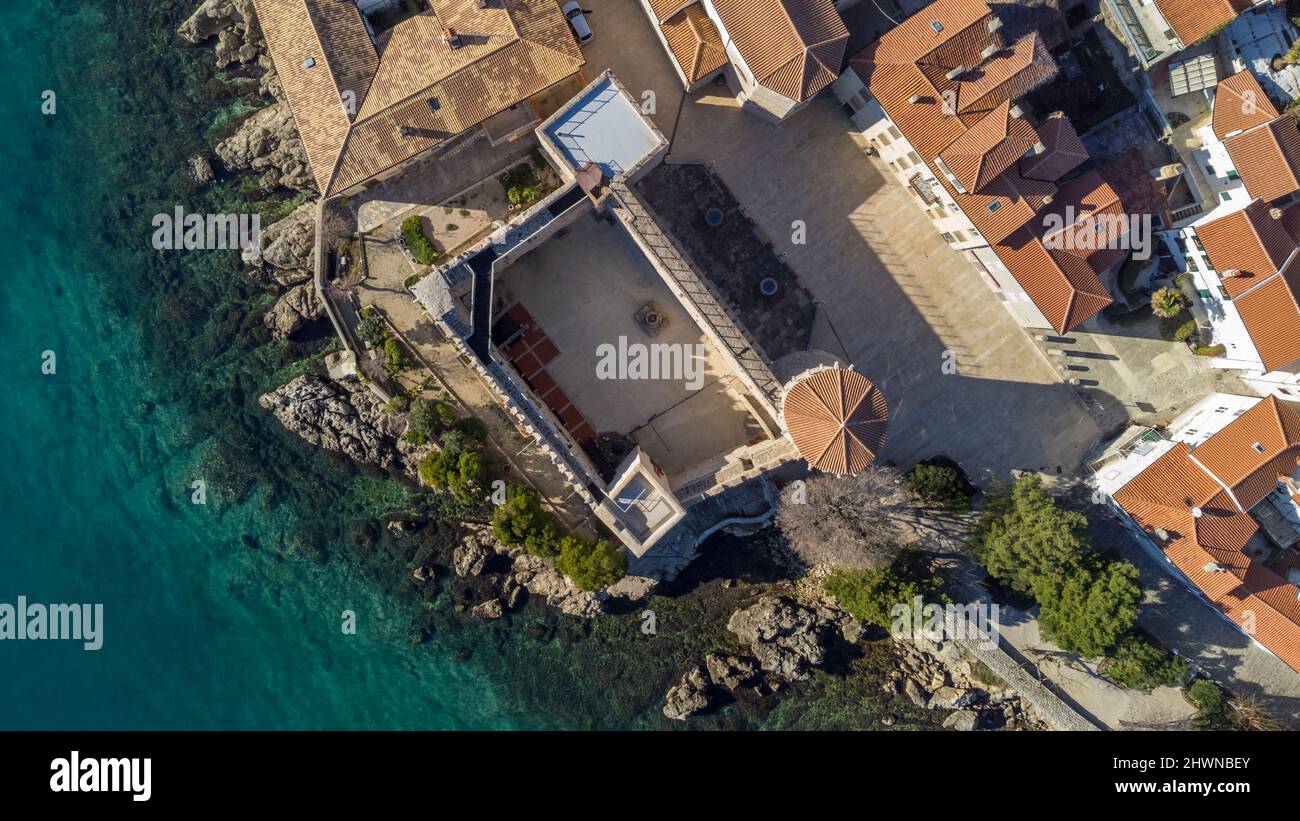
(1178,328)
(940,483)
(1210,350)
(521,185)
(473,427)
(1139,663)
(458,470)
(417,243)
(1213,704)
(426,419)
(395,358)
(372,330)
(870,595)
(591,565)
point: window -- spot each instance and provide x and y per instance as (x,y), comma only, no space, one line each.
(911,155)
(1225,196)
(895,133)
(948,237)
(993,206)
(1233,175)
(884,138)
(936,26)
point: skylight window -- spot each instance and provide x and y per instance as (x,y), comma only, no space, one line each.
(993,206)
(1257,447)
(937,26)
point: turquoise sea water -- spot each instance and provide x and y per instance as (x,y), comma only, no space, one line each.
(206,626)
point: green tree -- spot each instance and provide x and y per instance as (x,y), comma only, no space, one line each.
(395,356)
(1087,604)
(870,595)
(591,565)
(1090,612)
(416,242)
(520,520)
(1167,302)
(1139,663)
(1213,704)
(1023,537)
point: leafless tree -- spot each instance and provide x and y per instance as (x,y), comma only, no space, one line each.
(857,521)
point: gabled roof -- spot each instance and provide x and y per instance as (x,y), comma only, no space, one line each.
(1240,104)
(1271,314)
(1223,479)
(794,47)
(1267,157)
(418,91)
(992,145)
(694,42)
(1063,150)
(1193,20)
(1248,241)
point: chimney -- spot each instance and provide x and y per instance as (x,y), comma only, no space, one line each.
(450,38)
(1230,273)
(956,72)
(993,24)
(914,99)
(1047,200)
(1275,213)
(1016,111)
(988,52)
(1212,567)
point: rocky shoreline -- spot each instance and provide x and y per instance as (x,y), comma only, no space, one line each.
(779,637)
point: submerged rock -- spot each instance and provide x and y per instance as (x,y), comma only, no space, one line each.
(488,610)
(730,672)
(201,169)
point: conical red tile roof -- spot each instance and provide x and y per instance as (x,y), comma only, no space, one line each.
(837,418)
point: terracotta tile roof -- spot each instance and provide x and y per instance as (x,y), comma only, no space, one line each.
(1063,150)
(794,47)
(1250,453)
(694,42)
(1192,20)
(1064,287)
(1271,314)
(511,51)
(1267,157)
(315,76)
(663,9)
(837,418)
(989,147)
(948,83)
(1208,549)
(1248,241)
(1239,104)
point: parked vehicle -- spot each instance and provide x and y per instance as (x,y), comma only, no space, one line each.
(577,21)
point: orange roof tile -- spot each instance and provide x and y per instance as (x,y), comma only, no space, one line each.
(1239,104)
(1207,548)
(794,47)
(694,42)
(1249,242)
(1271,314)
(1063,150)
(1193,20)
(1267,157)
(837,418)
(989,147)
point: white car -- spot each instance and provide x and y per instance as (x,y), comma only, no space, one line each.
(577,21)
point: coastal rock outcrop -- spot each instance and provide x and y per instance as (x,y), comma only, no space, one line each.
(527,572)
(234,22)
(201,169)
(268,142)
(288,254)
(340,416)
(787,638)
(298,306)
(730,672)
(688,697)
